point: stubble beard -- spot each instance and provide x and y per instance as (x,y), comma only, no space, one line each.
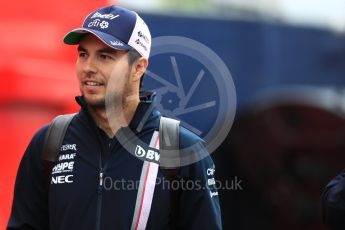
(115,100)
(96,104)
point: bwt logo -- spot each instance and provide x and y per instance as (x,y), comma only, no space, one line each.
(150,154)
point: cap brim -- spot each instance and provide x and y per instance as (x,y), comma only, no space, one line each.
(73,37)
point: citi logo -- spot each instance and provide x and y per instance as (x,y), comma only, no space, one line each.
(150,154)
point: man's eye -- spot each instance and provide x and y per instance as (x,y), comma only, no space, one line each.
(82,54)
(106,56)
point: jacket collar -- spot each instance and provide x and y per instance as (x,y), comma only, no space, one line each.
(144,114)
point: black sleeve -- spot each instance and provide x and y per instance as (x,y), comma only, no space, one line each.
(30,202)
(199,201)
(333,202)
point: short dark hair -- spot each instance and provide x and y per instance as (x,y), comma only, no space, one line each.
(134,55)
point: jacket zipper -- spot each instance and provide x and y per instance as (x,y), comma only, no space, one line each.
(101,178)
(100,185)
(102,169)
(99,199)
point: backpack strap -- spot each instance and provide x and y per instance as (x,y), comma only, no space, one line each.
(54,137)
(170,162)
(52,143)
(169,146)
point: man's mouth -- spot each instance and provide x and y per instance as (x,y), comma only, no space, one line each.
(92,83)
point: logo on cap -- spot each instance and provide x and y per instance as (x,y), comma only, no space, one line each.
(98,23)
(138,42)
(116,43)
(105,16)
(143,36)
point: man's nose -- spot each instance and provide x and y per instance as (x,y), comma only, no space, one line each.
(90,65)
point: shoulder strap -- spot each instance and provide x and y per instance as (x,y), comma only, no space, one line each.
(169,148)
(54,136)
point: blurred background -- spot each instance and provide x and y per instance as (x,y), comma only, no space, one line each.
(287,60)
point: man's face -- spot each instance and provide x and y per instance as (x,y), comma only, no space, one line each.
(96,64)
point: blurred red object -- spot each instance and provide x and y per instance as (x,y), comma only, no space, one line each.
(37,76)
(289,144)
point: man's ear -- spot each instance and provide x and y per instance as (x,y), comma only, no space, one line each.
(139,68)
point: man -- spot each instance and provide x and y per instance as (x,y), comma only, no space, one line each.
(333,202)
(102,179)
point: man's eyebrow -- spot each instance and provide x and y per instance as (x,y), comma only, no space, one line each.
(102,50)
(107,50)
(80,48)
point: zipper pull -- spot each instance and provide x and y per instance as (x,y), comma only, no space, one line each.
(101,178)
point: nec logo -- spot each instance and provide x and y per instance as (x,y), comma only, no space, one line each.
(62,179)
(150,154)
